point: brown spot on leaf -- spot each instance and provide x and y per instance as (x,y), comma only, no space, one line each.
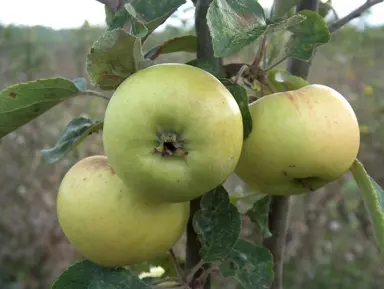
(91,50)
(249,267)
(12,94)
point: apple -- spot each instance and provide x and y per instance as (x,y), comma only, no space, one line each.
(110,224)
(300,141)
(173,132)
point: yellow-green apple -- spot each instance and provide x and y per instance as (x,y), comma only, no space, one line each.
(300,141)
(110,224)
(172,132)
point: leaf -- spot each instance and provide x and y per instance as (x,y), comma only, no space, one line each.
(163,260)
(23,102)
(233,24)
(240,94)
(183,43)
(285,23)
(114,5)
(87,275)
(218,225)
(259,214)
(122,18)
(309,34)
(118,19)
(275,47)
(74,133)
(282,80)
(80,83)
(325,8)
(250,264)
(210,66)
(373,196)
(142,16)
(113,57)
(146,11)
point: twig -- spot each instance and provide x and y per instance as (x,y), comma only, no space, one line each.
(280,205)
(204,52)
(333,11)
(166,279)
(260,52)
(96,93)
(205,274)
(232,69)
(278,225)
(176,264)
(194,270)
(354,14)
(277,63)
(240,72)
(169,287)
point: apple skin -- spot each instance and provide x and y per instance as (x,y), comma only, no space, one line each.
(183,101)
(110,224)
(301,140)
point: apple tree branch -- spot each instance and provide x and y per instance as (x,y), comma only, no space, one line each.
(280,205)
(354,14)
(204,52)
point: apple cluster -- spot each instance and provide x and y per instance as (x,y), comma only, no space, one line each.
(173,132)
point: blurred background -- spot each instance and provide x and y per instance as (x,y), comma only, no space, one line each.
(330,242)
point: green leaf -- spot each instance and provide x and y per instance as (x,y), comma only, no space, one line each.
(233,24)
(152,25)
(23,102)
(259,214)
(309,34)
(143,16)
(325,8)
(373,196)
(282,80)
(74,133)
(163,260)
(285,23)
(210,66)
(250,264)
(135,27)
(113,57)
(183,43)
(87,275)
(275,47)
(240,94)
(146,11)
(119,18)
(218,225)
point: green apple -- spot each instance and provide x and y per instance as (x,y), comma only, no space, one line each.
(110,224)
(173,132)
(300,141)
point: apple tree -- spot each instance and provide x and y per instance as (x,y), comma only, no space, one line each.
(219,108)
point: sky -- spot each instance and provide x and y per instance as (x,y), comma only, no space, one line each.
(72,13)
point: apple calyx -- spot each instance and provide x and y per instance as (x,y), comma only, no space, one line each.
(307,182)
(170,144)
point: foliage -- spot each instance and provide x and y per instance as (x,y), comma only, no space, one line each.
(120,52)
